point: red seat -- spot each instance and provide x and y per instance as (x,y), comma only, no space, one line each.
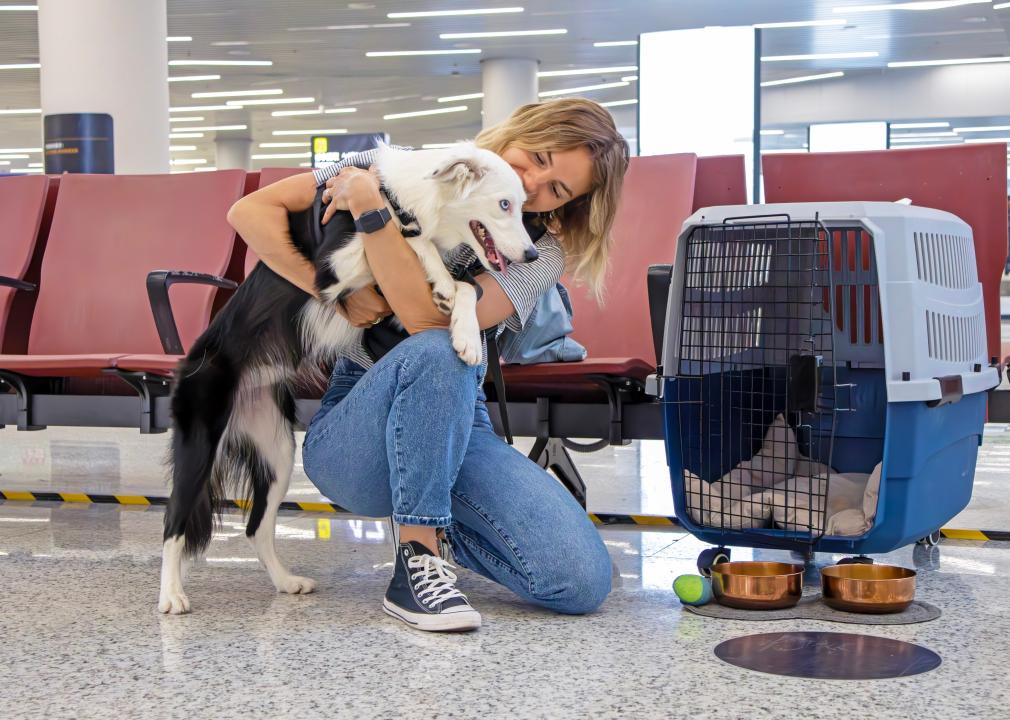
(969,181)
(22,202)
(657,196)
(157,364)
(720,180)
(108,233)
(268,176)
(166,364)
(79,365)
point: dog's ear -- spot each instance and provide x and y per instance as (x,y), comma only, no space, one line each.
(461,175)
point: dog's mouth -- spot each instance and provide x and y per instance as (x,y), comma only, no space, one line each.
(495,259)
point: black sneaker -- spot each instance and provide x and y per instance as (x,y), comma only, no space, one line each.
(422,593)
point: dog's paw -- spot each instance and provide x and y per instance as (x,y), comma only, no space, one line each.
(444,297)
(467,346)
(173,603)
(295,585)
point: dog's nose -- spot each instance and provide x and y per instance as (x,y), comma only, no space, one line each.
(531,254)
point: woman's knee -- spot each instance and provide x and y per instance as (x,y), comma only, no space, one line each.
(580,581)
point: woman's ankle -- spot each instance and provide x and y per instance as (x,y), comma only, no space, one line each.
(424,534)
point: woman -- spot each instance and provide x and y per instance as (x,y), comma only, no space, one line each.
(409,435)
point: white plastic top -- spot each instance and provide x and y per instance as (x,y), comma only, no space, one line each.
(930,300)
(825,211)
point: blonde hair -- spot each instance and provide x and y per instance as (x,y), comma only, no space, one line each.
(583,224)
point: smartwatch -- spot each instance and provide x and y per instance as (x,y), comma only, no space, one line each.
(372,220)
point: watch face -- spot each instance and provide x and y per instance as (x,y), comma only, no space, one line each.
(371,221)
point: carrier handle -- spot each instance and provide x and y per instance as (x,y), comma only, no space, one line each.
(951,391)
(729,220)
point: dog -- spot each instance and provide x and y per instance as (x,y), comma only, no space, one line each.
(233,403)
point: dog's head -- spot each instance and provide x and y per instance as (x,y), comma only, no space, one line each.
(482,202)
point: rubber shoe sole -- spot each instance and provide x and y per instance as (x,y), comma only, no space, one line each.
(443,622)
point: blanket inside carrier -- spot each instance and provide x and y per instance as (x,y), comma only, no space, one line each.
(781,488)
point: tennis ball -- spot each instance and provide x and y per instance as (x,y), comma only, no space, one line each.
(693,589)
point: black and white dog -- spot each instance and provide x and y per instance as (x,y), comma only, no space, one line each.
(233,404)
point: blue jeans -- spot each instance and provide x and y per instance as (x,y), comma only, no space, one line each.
(411,438)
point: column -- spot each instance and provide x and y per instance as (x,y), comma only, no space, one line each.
(507,84)
(110,56)
(232,153)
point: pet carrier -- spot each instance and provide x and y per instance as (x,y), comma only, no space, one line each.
(824,375)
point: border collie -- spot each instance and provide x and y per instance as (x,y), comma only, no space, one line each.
(233,405)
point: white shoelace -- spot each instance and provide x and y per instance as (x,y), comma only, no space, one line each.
(436,579)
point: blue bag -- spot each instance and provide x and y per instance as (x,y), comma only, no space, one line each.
(544,337)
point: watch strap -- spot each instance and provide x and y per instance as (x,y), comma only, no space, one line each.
(372,220)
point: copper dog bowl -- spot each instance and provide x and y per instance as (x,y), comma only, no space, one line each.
(757,585)
(868,588)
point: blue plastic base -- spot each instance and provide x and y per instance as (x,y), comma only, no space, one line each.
(928,454)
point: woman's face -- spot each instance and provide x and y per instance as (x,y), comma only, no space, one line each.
(551,179)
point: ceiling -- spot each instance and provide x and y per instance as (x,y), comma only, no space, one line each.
(330,64)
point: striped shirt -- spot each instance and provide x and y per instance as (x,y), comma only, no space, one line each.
(523,285)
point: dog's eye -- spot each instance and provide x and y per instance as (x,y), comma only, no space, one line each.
(505,205)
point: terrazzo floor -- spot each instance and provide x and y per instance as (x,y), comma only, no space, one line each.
(81,637)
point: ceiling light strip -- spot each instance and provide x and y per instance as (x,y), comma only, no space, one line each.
(421,113)
(451,13)
(336,131)
(222,63)
(193,78)
(822,56)
(236,93)
(801,79)
(502,33)
(800,24)
(589,71)
(582,88)
(454,98)
(272,101)
(200,108)
(405,53)
(952,61)
(983,128)
(281,156)
(910,126)
(918,5)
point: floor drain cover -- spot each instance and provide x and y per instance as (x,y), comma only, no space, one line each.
(828,656)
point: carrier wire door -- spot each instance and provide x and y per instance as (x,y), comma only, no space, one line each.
(756,347)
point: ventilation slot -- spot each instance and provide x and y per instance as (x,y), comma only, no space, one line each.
(953,338)
(945,260)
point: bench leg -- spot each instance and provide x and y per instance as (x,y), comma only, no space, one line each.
(551,454)
(24,400)
(148,387)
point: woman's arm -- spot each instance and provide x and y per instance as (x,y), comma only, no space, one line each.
(261,218)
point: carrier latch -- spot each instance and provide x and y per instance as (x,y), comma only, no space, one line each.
(951,390)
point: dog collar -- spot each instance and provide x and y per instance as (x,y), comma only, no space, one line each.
(409,225)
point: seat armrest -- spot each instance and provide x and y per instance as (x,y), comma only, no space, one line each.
(158,283)
(16,284)
(658,283)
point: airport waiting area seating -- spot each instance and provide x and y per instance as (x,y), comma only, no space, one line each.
(106,280)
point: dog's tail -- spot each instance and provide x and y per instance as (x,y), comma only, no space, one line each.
(201,406)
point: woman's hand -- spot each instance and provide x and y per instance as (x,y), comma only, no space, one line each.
(365,307)
(352,189)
